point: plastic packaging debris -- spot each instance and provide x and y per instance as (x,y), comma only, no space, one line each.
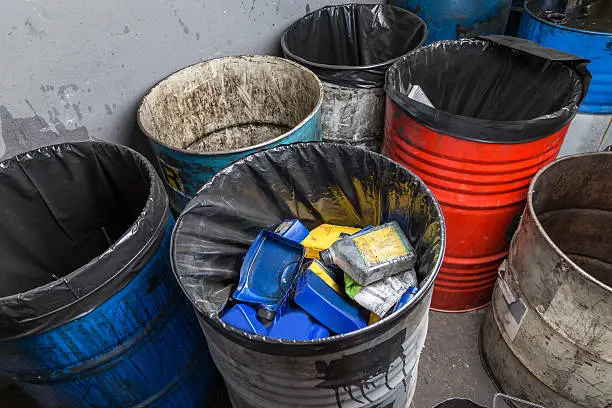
(381,296)
(293,230)
(409,294)
(326,305)
(323,237)
(372,256)
(374,318)
(295,324)
(244,317)
(268,271)
(330,276)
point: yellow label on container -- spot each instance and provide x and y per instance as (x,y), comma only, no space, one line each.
(323,237)
(380,246)
(318,270)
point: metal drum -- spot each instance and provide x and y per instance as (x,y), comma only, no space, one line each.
(452,20)
(350,47)
(586,32)
(316,182)
(90,314)
(547,336)
(208,115)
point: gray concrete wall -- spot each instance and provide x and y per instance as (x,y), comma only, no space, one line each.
(77,69)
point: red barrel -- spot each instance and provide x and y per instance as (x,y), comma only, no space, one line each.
(478,160)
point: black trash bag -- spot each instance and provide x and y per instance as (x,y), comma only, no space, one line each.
(353,44)
(493,89)
(314,182)
(78,223)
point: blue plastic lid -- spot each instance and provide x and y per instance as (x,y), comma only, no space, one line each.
(293,230)
(269,269)
(327,306)
(409,294)
(244,317)
(295,324)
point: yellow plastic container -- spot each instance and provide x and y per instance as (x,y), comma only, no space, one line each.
(323,237)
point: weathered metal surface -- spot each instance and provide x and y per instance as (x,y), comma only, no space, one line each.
(353,115)
(459,19)
(596,46)
(209,115)
(549,331)
(587,133)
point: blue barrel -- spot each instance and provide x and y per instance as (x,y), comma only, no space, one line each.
(90,315)
(452,20)
(596,46)
(208,115)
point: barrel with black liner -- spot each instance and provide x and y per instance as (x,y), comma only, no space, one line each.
(350,47)
(318,183)
(90,314)
(498,110)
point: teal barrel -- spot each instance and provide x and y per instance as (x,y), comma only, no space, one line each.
(90,314)
(208,115)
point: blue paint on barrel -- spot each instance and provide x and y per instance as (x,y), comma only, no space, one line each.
(592,45)
(186,172)
(208,115)
(452,20)
(142,347)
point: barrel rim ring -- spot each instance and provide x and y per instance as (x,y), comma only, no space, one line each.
(560,27)
(252,340)
(388,62)
(541,229)
(315,111)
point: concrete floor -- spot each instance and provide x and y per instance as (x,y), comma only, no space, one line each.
(450,365)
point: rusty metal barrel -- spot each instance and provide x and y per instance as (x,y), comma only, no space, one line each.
(547,336)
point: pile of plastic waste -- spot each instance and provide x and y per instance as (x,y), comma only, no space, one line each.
(297,284)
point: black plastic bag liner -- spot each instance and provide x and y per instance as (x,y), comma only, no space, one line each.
(353,44)
(314,182)
(493,89)
(78,223)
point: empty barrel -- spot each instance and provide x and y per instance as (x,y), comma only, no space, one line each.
(547,335)
(208,115)
(318,183)
(476,119)
(350,47)
(90,314)
(453,20)
(585,29)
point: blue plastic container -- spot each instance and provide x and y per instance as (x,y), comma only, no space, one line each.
(295,324)
(452,20)
(208,115)
(326,305)
(409,294)
(293,230)
(269,270)
(244,317)
(116,331)
(594,46)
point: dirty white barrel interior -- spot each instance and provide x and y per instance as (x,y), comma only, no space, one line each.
(229,103)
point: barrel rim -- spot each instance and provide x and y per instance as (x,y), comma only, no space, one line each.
(306,62)
(425,290)
(251,57)
(541,229)
(155,238)
(561,27)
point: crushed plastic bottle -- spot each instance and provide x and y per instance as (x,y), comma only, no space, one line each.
(376,254)
(323,237)
(268,272)
(381,296)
